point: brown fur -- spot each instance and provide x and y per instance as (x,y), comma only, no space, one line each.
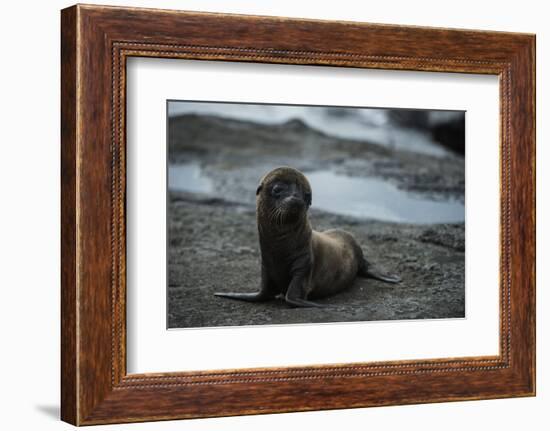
(297,261)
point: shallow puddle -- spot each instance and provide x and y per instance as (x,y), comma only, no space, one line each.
(189,177)
(378,199)
(365,197)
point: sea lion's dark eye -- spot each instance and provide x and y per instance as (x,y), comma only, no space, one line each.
(277,189)
(307,197)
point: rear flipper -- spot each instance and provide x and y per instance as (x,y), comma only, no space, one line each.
(368,271)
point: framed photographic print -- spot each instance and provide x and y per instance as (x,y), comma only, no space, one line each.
(264,214)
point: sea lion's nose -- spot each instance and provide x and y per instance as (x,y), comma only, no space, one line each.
(295,200)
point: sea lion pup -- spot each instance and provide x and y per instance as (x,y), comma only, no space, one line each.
(297,261)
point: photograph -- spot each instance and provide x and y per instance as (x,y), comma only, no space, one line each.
(300,214)
(276,211)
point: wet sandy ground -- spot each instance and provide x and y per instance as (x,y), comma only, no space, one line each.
(214,247)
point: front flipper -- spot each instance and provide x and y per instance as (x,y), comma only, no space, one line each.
(266,292)
(249,297)
(304,303)
(295,294)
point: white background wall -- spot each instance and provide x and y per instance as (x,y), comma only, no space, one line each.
(29,214)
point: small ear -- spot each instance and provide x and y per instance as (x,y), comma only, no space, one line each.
(258,190)
(308,198)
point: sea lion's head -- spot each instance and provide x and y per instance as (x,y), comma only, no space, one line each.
(283,196)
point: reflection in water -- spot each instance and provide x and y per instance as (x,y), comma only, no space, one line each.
(378,199)
(366,197)
(188,177)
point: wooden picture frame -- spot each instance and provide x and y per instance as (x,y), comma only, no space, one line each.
(95,43)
